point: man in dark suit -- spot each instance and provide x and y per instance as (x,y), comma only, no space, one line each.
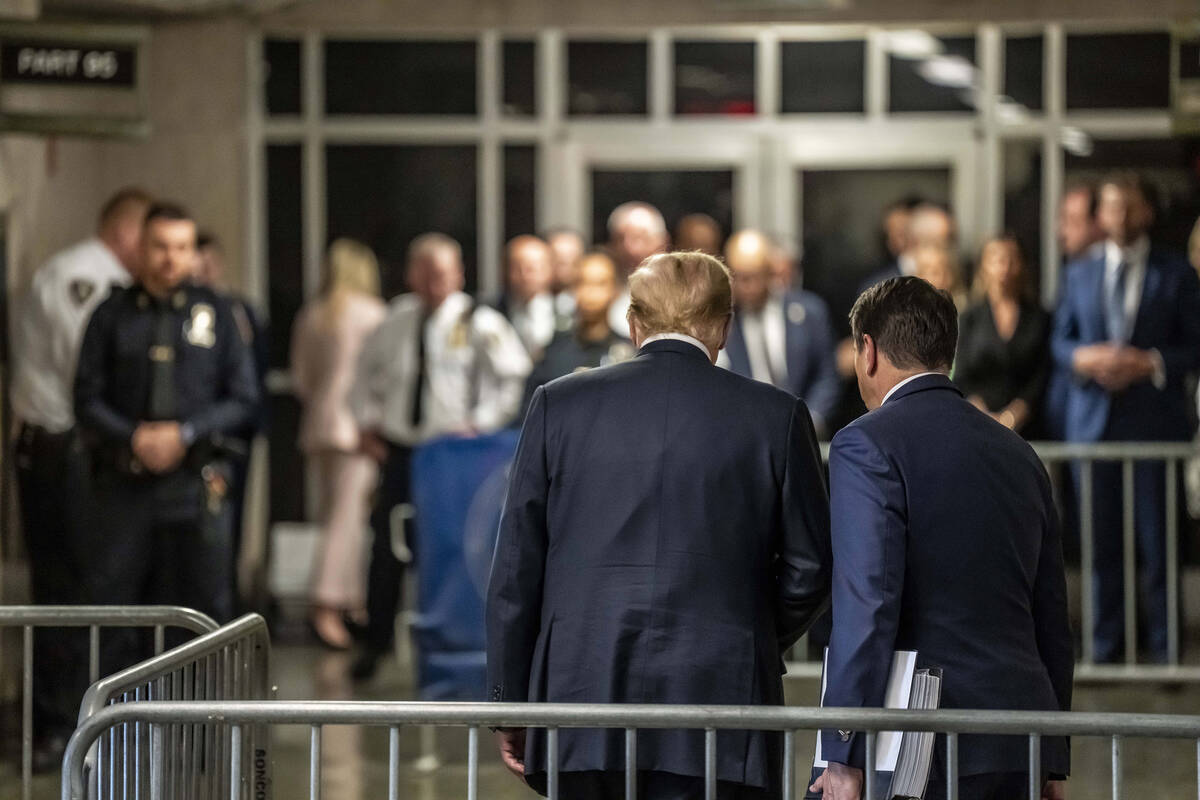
(945,541)
(664,540)
(784,339)
(1128,329)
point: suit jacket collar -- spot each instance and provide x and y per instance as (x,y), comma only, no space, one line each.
(923,383)
(673,346)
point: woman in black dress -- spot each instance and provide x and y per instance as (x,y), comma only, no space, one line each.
(1003,339)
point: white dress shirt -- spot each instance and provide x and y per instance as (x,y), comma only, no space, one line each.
(534,321)
(907,380)
(765,334)
(49,330)
(679,337)
(475,370)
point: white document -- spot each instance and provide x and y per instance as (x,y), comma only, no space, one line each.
(899,689)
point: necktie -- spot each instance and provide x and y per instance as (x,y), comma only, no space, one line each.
(1115,310)
(418,399)
(161,405)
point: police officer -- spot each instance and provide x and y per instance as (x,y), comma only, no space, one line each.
(438,364)
(164,382)
(591,342)
(49,458)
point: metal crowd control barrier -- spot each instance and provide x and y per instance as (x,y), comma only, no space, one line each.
(230,663)
(1173,455)
(240,715)
(94,618)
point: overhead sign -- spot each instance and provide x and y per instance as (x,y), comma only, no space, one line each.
(71,63)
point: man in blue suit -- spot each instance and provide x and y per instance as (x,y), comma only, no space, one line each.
(945,541)
(665,539)
(1128,330)
(782,339)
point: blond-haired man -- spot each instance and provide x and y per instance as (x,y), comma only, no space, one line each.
(664,540)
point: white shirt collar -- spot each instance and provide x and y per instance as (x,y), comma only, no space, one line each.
(1134,255)
(909,379)
(679,337)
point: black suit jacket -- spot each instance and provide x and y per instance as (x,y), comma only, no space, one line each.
(946,541)
(665,538)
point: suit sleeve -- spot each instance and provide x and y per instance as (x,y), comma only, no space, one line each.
(823,392)
(238,401)
(514,597)
(869,532)
(1064,333)
(804,557)
(1050,613)
(1181,355)
(93,410)
(506,362)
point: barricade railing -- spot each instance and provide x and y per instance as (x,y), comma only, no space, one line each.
(227,664)
(1173,455)
(158,618)
(243,716)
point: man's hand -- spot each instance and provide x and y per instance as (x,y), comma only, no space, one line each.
(159,446)
(839,782)
(512,750)
(1092,360)
(1128,366)
(373,445)
(1054,790)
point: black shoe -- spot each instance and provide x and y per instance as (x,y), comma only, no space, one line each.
(365,666)
(48,754)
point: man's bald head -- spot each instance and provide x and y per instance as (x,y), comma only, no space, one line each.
(688,293)
(930,225)
(636,231)
(698,232)
(748,254)
(530,267)
(119,224)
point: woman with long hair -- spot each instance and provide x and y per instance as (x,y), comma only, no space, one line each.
(1003,339)
(326,339)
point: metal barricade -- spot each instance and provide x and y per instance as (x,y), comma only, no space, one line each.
(1174,455)
(94,618)
(241,716)
(229,663)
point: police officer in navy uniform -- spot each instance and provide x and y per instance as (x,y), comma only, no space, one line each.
(164,384)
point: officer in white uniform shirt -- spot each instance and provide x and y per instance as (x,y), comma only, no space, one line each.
(438,364)
(50,464)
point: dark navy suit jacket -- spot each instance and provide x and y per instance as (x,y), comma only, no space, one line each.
(946,541)
(811,368)
(664,539)
(1168,319)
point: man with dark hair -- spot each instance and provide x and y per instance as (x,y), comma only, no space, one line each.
(49,459)
(945,541)
(1128,330)
(165,383)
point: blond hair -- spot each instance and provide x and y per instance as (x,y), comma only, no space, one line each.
(350,268)
(685,293)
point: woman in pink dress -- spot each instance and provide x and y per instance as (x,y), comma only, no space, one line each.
(326,340)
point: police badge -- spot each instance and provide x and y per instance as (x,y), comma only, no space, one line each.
(200,330)
(81,290)
(796,313)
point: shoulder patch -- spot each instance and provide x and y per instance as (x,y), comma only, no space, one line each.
(81,290)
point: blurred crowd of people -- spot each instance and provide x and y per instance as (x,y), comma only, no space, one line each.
(139,384)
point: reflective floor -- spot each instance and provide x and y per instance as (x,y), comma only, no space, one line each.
(354,760)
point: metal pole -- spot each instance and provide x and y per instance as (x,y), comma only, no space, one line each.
(1035,766)
(235,765)
(710,764)
(93,653)
(552,763)
(1129,561)
(156,761)
(27,714)
(1171,467)
(473,763)
(1118,774)
(394,763)
(789,763)
(159,644)
(951,766)
(631,764)
(1087,559)
(869,767)
(314,763)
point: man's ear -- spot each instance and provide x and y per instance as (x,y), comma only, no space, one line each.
(870,354)
(725,331)
(635,335)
